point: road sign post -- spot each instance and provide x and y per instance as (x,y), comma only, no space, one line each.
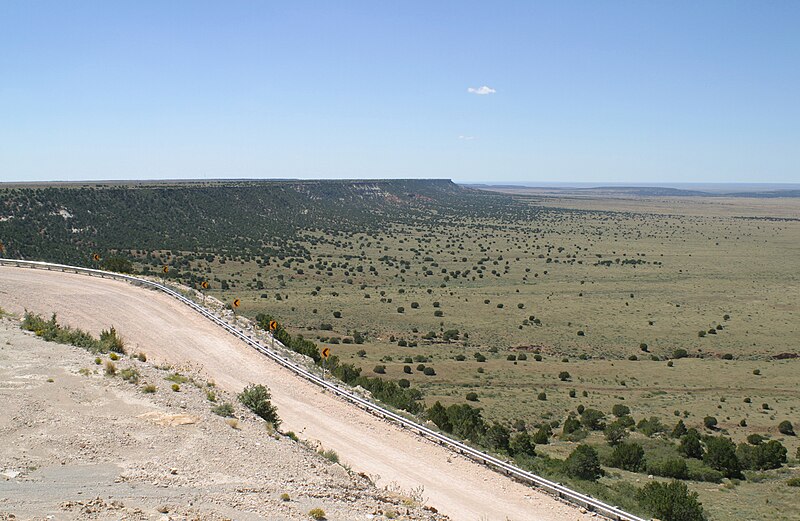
(273,326)
(326,352)
(204,285)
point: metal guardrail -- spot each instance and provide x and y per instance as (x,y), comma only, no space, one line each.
(589,503)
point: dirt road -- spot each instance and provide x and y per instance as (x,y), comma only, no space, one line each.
(170,332)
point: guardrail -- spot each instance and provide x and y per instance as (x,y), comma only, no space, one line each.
(589,503)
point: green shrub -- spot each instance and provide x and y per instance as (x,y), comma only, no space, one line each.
(224,409)
(521,444)
(671,502)
(110,341)
(755,439)
(669,468)
(177,378)
(330,455)
(149,389)
(620,410)
(615,432)
(721,455)
(786,427)
(593,419)
(50,331)
(542,435)
(679,430)
(317,513)
(472,397)
(571,424)
(764,456)
(285,497)
(628,456)
(113,356)
(257,399)
(701,472)
(583,463)
(793,482)
(626,421)
(175,388)
(129,374)
(497,438)
(690,445)
(650,426)
(142,357)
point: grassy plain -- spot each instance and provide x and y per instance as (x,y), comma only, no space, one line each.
(623,271)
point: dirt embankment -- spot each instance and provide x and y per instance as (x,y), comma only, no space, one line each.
(76,443)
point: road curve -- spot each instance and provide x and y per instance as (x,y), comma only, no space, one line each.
(170,332)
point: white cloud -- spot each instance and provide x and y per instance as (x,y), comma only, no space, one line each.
(466,138)
(481,90)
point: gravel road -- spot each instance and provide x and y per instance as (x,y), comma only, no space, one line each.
(169,332)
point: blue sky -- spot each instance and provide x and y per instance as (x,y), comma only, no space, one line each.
(583,91)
